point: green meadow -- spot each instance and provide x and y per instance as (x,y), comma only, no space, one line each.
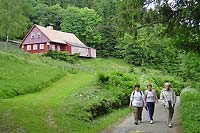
(39,94)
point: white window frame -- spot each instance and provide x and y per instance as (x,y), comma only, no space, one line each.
(32,35)
(38,35)
(35,46)
(41,46)
(28,47)
(53,47)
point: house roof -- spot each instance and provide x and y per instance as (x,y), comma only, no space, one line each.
(60,37)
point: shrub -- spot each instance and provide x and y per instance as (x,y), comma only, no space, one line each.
(132,69)
(64,56)
(102,78)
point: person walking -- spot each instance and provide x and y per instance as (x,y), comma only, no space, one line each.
(168,99)
(137,102)
(150,98)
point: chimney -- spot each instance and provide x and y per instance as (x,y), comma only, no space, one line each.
(50,27)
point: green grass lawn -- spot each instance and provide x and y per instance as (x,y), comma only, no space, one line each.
(57,94)
(43,108)
(59,108)
(49,109)
(41,111)
(20,76)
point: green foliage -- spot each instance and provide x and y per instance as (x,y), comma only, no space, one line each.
(107,10)
(66,3)
(13,22)
(129,16)
(150,48)
(190,66)
(83,23)
(132,69)
(102,78)
(47,15)
(189,112)
(63,56)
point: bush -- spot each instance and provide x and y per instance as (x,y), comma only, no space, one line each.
(102,78)
(131,69)
(63,56)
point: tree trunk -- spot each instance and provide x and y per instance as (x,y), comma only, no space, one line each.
(6,39)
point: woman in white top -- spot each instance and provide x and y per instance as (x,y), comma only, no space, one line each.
(136,101)
(150,98)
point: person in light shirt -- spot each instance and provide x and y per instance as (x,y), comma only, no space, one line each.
(168,99)
(150,98)
(137,102)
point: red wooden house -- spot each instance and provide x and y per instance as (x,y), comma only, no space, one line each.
(41,39)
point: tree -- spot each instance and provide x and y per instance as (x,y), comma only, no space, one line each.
(83,22)
(66,3)
(47,15)
(13,22)
(182,19)
(107,9)
(130,15)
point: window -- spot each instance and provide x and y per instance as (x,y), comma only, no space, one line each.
(41,46)
(35,47)
(38,35)
(53,47)
(32,35)
(28,47)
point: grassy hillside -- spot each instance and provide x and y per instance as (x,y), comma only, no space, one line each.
(21,76)
(93,95)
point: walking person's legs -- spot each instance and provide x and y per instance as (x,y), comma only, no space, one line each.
(148,111)
(150,108)
(167,114)
(140,113)
(136,110)
(171,113)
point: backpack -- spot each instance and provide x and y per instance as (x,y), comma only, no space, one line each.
(134,93)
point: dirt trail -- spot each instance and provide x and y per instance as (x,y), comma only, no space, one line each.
(159,126)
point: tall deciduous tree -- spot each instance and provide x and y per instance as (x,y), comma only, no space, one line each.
(13,23)
(47,15)
(83,22)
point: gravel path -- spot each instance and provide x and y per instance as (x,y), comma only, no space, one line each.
(160,125)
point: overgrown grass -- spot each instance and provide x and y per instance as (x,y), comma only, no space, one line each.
(21,76)
(189,112)
(89,99)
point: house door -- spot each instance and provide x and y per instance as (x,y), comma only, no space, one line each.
(58,47)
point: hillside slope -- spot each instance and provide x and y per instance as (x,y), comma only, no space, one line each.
(20,76)
(89,99)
